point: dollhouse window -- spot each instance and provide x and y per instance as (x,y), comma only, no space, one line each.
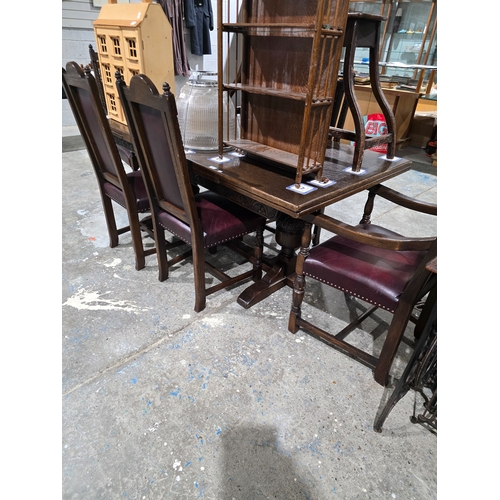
(118,68)
(112,103)
(107,73)
(132,47)
(116,46)
(102,41)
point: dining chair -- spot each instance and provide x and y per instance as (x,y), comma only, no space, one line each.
(126,154)
(203,221)
(371,264)
(115,184)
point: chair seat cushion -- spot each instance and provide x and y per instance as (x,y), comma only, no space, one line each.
(138,187)
(373,274)
(221,220)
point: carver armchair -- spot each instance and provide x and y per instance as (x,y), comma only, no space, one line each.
(373,264)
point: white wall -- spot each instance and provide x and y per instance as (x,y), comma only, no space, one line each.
(78,33)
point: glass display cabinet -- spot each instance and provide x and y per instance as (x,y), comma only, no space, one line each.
(408,48)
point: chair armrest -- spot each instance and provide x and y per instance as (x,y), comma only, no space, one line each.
(361,235)
(403,200)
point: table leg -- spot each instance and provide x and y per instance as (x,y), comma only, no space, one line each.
(288,236)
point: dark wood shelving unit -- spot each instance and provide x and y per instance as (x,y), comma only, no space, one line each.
(279,62)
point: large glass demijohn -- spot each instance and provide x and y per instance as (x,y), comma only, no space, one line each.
(197,106)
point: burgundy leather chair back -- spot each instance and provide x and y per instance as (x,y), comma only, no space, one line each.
(89,114)
(155,129)
(164,175)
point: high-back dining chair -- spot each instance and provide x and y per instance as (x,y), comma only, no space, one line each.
(126,154)
(204,220)
(126,189)
(371,263)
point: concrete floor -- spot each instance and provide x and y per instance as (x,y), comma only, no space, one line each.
(159,402)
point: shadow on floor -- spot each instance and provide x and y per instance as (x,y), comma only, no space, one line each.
(255,467)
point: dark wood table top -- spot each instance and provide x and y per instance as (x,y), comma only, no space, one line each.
(266,184)
(263,184)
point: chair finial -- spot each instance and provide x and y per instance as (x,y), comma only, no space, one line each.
(166,88)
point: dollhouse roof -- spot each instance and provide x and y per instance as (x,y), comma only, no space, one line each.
(129,15)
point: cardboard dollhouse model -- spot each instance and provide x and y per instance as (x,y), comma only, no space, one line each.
(133,38)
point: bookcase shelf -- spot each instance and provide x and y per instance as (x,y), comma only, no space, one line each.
(278,93)
(280,29)
(273,155)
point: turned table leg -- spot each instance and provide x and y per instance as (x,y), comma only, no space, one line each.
(288,236)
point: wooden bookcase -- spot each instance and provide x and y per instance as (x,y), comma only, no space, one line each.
(279,61)
(133,38)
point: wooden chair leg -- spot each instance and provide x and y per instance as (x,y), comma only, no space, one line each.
(390,121)
(135,232)
(350,96)
(391,345)
(257,253)
(109,215)
(199,278)
(398,325)
(161,253)
(299,282)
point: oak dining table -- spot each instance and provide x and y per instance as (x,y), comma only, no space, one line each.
(267,189)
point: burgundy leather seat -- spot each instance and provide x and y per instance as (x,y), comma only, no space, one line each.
(375,275)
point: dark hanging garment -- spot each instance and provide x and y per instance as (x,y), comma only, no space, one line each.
(200,20)
(174,10)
